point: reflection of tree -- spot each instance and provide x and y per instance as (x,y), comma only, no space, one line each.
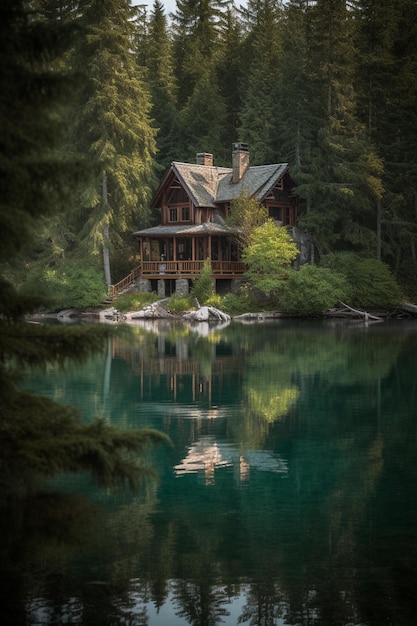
(265,604)
(37,538)
(202,603)
(77,559)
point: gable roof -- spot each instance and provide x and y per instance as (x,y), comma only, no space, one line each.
(209,185)
(258,180)
(201,181)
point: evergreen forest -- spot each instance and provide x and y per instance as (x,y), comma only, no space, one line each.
(328,86)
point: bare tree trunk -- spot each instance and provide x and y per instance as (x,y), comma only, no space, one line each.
(378,229)
(106,236)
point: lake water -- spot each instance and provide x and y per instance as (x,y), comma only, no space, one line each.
(289,496)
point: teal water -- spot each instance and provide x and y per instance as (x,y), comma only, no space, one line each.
(289,496)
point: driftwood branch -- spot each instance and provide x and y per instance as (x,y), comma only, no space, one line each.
(364,314)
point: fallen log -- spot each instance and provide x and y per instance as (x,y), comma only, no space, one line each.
(206,313)
(364,314)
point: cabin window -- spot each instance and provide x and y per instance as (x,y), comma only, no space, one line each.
(184,249)
(185,214)
(173,215)
(276,213)
(281,214)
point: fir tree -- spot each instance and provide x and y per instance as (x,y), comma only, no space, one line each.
(113,127)
(158,60)
(202,119)
(386,38)
(229,70)
(196,27)
(341,182)
(40,437)
(259,112)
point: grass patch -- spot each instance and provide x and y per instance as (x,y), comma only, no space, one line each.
(134,301)
(180,304)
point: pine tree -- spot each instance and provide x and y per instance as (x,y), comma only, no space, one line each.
(229,70)
(342,180)
(259,113)
(196,26)
(158,60)
(113,127)
(386,69)
(296,120)
(202,120)
(40,437)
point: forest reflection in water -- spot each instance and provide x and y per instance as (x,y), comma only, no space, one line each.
(288,496)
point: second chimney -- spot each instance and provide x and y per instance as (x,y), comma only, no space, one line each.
(240,160)
(204,158)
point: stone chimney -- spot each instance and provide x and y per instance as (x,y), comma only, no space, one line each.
(204,158)
(240,160)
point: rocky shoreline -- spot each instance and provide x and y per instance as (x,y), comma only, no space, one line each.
(160,310)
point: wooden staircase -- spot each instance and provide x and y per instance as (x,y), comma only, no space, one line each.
(115,290)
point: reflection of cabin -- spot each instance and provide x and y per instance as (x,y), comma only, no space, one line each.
(182,376)
(194,201)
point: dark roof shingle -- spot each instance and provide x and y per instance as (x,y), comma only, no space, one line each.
(210,185)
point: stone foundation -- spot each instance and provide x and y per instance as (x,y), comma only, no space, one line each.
(143,285)
(161,288)
(181,287)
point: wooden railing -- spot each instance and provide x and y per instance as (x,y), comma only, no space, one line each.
(190,268)
(172,269)
(113,290)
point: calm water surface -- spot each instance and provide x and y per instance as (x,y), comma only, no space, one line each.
(289,495)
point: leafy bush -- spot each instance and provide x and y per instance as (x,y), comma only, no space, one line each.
(215,301)
(371,283)
(179,304)
(134,301)
(270,252)
(311,290)
(68,284)
(202,288)
(237,304)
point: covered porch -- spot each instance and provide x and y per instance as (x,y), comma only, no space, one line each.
(180,251)
(190,269)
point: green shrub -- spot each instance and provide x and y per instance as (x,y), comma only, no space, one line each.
(371,283)
(202,288)
(179,304)
(67,284)
(215,301)
(311,290)
(239,303)
(134,301)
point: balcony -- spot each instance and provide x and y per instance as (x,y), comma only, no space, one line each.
(189,269)
(177,269)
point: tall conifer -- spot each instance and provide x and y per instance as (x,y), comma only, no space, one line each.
(162,84)
(196,25)
(259,113)
(342,181)
(113,127)
(386,37)
(40,437)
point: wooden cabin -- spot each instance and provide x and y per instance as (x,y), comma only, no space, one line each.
(194,201)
